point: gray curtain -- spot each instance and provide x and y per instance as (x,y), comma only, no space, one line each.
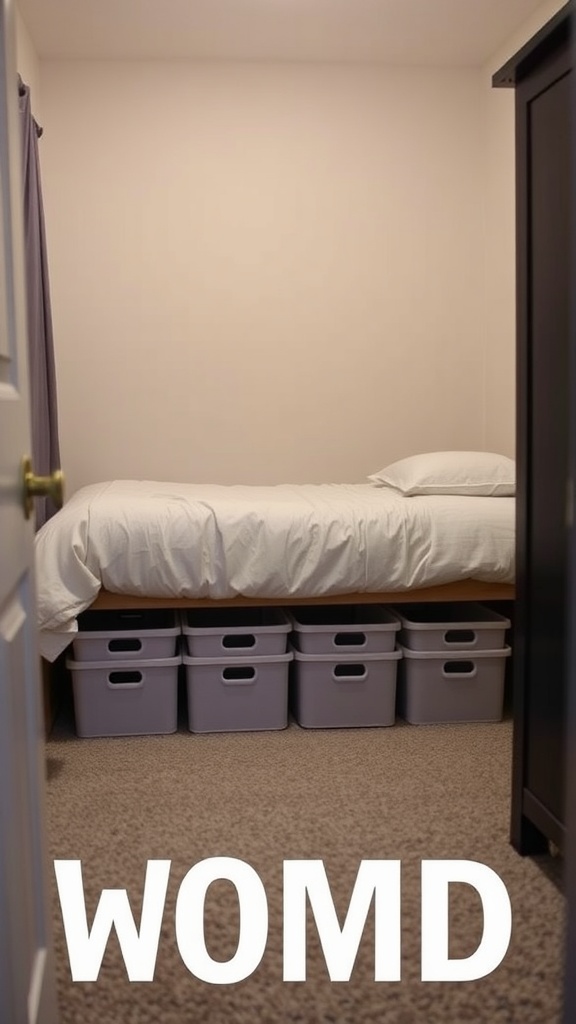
(44,412)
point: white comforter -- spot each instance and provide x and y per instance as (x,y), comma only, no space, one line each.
(204,540)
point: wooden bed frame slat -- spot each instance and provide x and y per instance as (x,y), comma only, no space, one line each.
(464,590)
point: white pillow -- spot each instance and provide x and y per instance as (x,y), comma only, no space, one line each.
(473,473)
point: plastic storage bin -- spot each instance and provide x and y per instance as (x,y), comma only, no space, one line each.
(125,698)
(237,694)
(449,627)
(331,691)
(456,686)
(124,635)
(235,632)
(346,629)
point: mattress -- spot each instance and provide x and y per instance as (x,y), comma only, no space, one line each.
(214,541)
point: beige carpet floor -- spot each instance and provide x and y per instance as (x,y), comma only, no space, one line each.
(341,796)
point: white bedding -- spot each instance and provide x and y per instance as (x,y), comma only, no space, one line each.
(215,541)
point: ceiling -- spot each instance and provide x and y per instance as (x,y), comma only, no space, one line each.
(407,32)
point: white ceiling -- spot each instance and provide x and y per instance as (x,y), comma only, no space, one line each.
(408,32)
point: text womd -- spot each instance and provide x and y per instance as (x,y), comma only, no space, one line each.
(304,882)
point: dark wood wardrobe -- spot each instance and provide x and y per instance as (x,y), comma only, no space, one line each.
(541,75)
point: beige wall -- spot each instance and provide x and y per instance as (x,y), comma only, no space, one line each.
(499,244)
(279,272)
(262,272)
(499,254)
(27,62)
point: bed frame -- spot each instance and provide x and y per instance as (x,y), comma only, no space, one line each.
(54,675)
(464,590)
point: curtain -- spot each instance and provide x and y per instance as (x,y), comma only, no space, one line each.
(44,413)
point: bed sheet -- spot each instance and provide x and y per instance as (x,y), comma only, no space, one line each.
(167,540)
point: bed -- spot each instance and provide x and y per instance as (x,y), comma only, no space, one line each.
(134,543)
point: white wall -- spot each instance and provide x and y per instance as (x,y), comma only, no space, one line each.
(262,273)
(499,245)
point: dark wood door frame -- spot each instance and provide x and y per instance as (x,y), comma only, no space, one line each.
(570,854)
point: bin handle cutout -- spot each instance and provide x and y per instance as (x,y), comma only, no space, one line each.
(349,639)
(461,636)
(128,680)
(241,640)
(125,644)
(239,675)
(349,673)
(459,669)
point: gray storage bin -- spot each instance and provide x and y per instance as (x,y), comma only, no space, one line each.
(459,686)
(330,691)
(125,698)
(237,694)
(145,635)
(451,627)
(345,629)
(235,632)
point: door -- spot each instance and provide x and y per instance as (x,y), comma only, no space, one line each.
(549,286)
(27,983)
(570,861)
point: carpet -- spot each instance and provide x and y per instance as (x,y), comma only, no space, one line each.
(411,793)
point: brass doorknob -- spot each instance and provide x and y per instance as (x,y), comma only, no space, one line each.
(40,486)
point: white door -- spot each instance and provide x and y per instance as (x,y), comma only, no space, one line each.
(27,985)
